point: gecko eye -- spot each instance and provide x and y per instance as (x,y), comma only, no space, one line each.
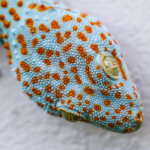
(110,66)
(70,117)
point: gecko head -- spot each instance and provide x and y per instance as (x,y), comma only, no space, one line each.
(109,100)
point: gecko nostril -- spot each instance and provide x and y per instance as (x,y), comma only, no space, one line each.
(139,117)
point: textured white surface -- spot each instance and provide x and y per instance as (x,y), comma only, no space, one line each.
(24,126)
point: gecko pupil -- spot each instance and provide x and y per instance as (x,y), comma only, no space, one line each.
(111,65)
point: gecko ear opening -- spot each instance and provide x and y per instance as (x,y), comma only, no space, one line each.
(69,114)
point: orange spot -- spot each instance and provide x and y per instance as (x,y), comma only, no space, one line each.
(72,106)
(6,45)
(67,18)
(29,22)
(60,39)
(122,107)
(97,107)
(48,88)
(35,42)
(47,75)
(118,95)
(20,3)
(110,43)
(121,69)
(49,53)
(43,36)
(82,37)
(84,15)
(69,101)
(43,28)
(29,94)
(125,119)
(67,34)
(26,84)
(117,87)
(105,83)
(98,67)
(89,74)
(129,112)
(74,69)
(34,80)
(109,87)
(32,5)
(57,54)
(91,111)
(41,8)
(40,104)
(103,36)
(40,50)
(49,99)
(18,74)
(119,123)
(4,3)
(109,34)
(32,30)
(25,66)
(107,113)
(84,109)
(105,93)
(61,87)
(95,48)
(36,69)
(6,24)
(67,47)
(56,76)
(79,103)
(55,25)
(71,93)
(61,65)
(114,53)
(66,80)
(111,125)
(58,94)
(80,97)
(121,84)
(78,80)
(2,17)
(89,59)
(12,11)
(135,94)
(131,104)
(117,111)
(87,102)
(47,62)
(79,20)
(105,49)
(98,23)
(103,118)
(71,60)
(88,29)
(88,90)
(107,102)
(99,76)
(75,28)
(129,97)
(115,42)
(81,51)
(36,91)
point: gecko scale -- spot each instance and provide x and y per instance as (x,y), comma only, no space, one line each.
(69,64)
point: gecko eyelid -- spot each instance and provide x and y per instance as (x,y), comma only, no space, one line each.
(110,67)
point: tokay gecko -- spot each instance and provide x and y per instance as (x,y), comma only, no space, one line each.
(69,64)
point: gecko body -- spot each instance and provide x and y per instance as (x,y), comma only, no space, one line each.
(69,64)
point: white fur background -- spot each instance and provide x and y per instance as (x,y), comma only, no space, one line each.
(24,126)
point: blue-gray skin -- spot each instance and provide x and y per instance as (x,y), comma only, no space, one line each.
(69,64)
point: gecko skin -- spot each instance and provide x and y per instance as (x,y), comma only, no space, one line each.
(68,63)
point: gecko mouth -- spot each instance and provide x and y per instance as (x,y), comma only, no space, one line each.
(71,115)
